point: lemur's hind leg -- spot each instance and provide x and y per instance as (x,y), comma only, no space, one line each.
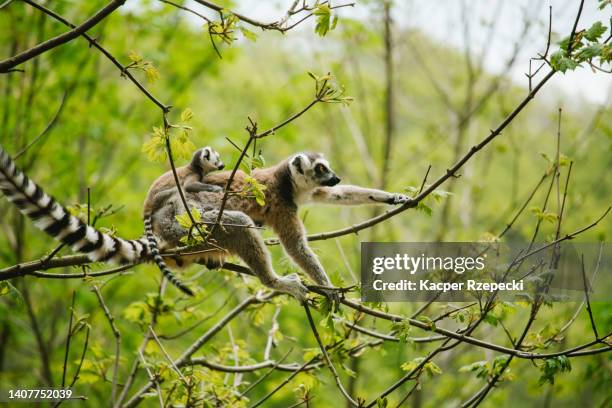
(237,238)
(240,239)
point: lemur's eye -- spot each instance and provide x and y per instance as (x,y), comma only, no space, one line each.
(319,168)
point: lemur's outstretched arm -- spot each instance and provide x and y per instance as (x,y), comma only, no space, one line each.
(292,236)
(354,195)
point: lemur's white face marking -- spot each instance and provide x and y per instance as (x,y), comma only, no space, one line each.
(209,159)
(311,170)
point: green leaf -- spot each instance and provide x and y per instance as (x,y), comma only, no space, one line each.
(258,315)
(432,369)
(186,115)
(606,53)
(596,31)
(88,373)
(322,14)
(136,312)
(429,367)
(491,319)
(334,23)
(475,366)
(181,144)
(421,206)
(551,367)
(248,34)
(258,162)
(4,288)
(135,57)
(257,190)
(382,403)
(151,73)
(439,195)
(590,52)
(155,148)
(310,353)
(411,365)
(430,323)
(402,329)
(185,221)
(560,62)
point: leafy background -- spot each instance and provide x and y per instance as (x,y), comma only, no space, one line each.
(97,143)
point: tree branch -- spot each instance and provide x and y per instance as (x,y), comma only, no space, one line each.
(9,63)
(448,174)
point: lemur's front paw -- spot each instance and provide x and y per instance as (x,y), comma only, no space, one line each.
(292,285)
(398,199)
(334,298)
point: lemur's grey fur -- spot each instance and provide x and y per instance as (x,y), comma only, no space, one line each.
(302,178)
(190,178)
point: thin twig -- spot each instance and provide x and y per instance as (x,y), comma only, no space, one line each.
(153,378)
(170,360)
(68,338)
(266,375)
(588,301)
(327,359)
(116,334)
(49,126)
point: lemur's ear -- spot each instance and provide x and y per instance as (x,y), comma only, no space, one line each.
(297,163)
(206,153)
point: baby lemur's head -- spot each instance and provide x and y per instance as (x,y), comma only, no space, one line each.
(206,160)
(311,170)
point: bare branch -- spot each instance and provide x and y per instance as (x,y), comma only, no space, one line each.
(47,128)
(116,334)
(279,25)
(9,63)
(327,359)
(448,174)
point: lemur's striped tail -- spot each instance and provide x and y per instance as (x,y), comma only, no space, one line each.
(148,227)
(53,218)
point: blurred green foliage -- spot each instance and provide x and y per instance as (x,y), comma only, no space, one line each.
(97,143)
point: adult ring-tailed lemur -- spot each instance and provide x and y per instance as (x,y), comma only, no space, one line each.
(302,178)
(305,177)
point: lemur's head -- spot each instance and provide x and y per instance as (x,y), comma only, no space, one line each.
(207,159)
(311,170)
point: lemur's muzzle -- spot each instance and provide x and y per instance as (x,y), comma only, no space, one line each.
(332,181)
(221,166)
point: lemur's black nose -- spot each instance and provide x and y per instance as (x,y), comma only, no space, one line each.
(221,166)
(333,181)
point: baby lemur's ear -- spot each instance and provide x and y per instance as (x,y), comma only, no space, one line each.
(206,153)
(297,163)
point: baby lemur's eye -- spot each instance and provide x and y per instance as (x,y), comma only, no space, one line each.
(319,168)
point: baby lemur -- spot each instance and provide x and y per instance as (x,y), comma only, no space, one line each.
(302,178)
(190,178)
